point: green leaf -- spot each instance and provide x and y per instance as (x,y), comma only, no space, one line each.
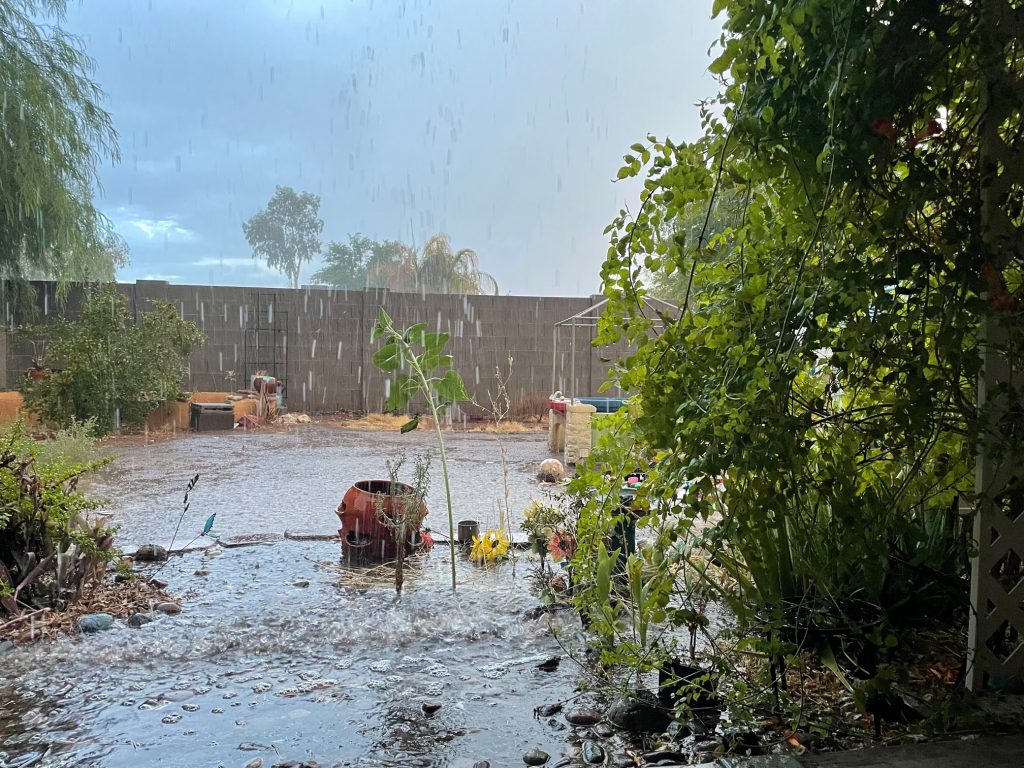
(403,388)
(410,425)
(388,357)
(450,388)
(382,326)
(414,334)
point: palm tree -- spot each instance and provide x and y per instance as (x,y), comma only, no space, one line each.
(437,270)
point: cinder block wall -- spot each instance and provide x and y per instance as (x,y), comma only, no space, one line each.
(324,335)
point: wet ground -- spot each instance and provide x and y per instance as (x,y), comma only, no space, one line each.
(279,653)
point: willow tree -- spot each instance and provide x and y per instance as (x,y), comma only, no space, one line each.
(826,365)
(53,133)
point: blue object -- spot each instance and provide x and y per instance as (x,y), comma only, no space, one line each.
(604,404)
(209,523)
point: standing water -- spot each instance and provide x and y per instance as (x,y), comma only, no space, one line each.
(280,652)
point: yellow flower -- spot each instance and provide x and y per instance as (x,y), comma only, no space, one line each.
(490,547)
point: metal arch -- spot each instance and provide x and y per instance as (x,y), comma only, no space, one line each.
(588,318)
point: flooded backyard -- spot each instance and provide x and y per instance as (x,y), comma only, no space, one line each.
(279,653)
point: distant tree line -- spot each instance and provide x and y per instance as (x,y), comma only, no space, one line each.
(286,235)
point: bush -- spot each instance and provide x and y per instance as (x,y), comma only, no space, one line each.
(51,547)
(110,363)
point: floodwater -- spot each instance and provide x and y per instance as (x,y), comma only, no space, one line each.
(280,653)
(273,481)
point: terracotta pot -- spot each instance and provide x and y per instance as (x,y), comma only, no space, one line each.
(38,374)
(364,535)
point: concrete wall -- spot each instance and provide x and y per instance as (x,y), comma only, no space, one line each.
(323,339)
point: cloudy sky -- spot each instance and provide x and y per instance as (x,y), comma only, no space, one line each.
(500,122)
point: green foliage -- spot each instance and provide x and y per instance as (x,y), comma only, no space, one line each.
(108,361)
(51,547)
(438,269)
(348,266)
(286,233)
(826,366)
(55,133)
(430,375)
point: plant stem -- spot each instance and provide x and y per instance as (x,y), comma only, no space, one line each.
(447,484)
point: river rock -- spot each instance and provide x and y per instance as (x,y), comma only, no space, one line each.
(5,646)
(138,619)
(256,762)
(583,717)
(604,730)
(551,471)
(481,764)
(429,708)
(535,756)
(168,608)
(547,710)
(593,752)
(666,757)
(150,553)
(301,584)
(95,622)
(638,712)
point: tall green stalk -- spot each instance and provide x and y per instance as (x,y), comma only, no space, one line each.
(440,392)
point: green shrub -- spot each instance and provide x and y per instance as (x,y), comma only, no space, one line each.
(110,363)
(51,546)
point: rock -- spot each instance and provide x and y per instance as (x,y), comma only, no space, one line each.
(256,762)
(550,665)
(547,710)
(251,746)
(623,761)
(583,717)
(639,712)
(157,583)
(429,708)
(666,758)
(551,471)
(6,646)
(95,622)
(301,584)
(138,619)
(150,553)
(535,756)
(481,764)
(740,740)
(288,764)
(593,753)
(604,730)
(201,573)
(168,608)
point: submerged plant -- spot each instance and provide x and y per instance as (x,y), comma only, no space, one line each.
(430,375)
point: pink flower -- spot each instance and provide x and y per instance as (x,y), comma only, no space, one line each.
(562,546)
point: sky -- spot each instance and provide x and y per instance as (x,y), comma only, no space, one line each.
(499,122)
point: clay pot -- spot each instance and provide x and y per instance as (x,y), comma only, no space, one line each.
(364,535)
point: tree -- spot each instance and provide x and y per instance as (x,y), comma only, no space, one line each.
(54,132)
(826,368)
(286,233)
(108,361)
(438,269)
(347,265)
